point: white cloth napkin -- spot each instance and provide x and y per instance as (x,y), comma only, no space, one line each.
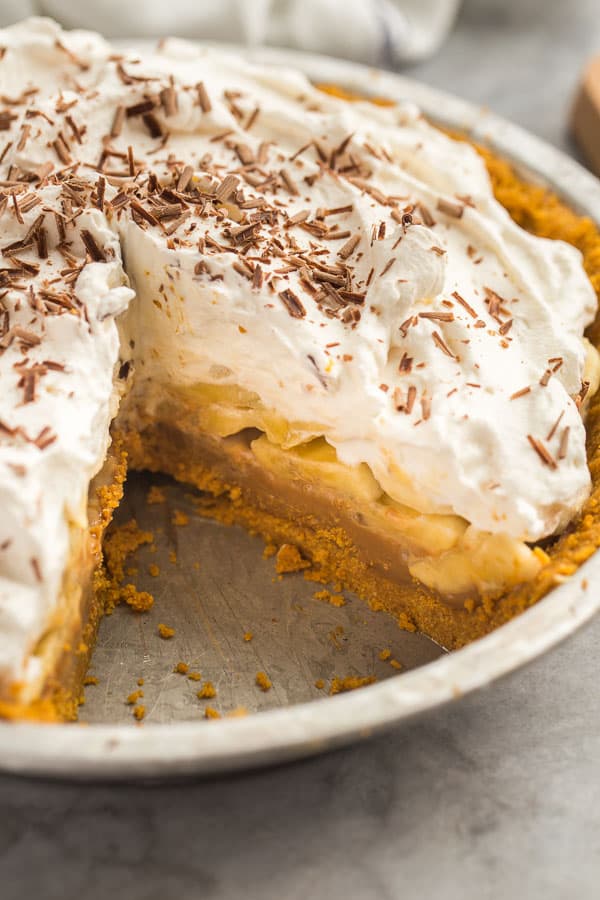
(377,32)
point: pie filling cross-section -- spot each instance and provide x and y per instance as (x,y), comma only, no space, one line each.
(314,310)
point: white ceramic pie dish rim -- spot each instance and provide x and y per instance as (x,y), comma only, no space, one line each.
(128,751)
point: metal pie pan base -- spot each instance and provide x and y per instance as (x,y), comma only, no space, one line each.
(180,748)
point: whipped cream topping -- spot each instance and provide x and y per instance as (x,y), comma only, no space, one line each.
(58,350)
(346,263)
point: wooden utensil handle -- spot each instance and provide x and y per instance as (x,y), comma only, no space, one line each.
(585,120)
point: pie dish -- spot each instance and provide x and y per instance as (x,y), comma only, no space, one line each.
(264,357)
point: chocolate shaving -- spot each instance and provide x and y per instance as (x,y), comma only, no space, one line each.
(245,154)
(6,429)
(6,119)
(154,127)
(45,438)
(137,207)
(243,269)
(298,218)
(338,210)
(35,565)
(29,338)
(226,188)
(299,151)
(29,381)
(585,386)
(289,182)
(521,393)
(244,232)
(184,180)
(117,122)
(426,216)
(293,304)
(449,208)
(564,443)
(42,243)
(25,267)
(17,210)
(352,296)
(329,277)
(403,328)
(349,247)
(319,374)
(62,149)
(7,147)
(543,452)
(74,128)
(400,403)
(57,298)
(252,119)
(95,251)
(168,99)
(351,316)
(437,316)
(203,98)
(425,406)
(321,151)
(167,211)
(139,109)
(552,431)
(119,200)
(81,64)
(100,189)
(439,342)
(257,277)
(25,132)
(173,226)
(495,304)
(406,364)
(339,150)
(22,97)
(335,235)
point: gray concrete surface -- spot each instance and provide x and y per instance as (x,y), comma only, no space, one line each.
(497,797)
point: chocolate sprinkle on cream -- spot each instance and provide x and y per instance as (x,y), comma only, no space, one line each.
(521,393)
(203,98)
(552,431)
(117,122)
(293,304)
(564,443)
(543,452)
(97,253)
(464,304)
(35,565)
(437,316)
(455,210)
(426,216)
(226,188)
(349,247)
(439,342)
